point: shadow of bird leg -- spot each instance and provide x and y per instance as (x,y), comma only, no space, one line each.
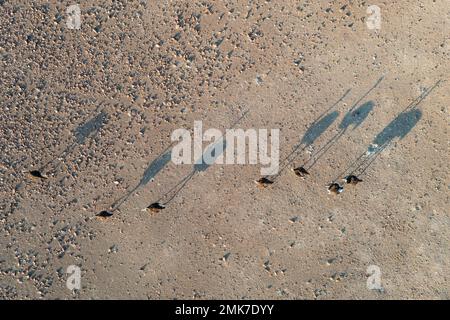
(188,178)
(41,172)
(348,170)
(363,169)
(323,150)
(293,155)
(124,198)
(62,157)
(286,162)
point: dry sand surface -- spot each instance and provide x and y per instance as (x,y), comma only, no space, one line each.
(93,108)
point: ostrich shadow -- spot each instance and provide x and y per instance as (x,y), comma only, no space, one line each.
(353,118)
(313,132)
(88,129)
(211,153)
(398,128)
(149,174)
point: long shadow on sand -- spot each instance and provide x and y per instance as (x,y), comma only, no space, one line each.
(314,131)
(399,127)
(149,174)
(353,118)
(88,129)
(212,153)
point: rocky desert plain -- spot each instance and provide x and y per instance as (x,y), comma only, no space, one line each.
(89,104)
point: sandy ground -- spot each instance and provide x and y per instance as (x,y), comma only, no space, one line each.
(92,108)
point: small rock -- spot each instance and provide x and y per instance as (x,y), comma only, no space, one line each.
(294,219)
(113,249)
